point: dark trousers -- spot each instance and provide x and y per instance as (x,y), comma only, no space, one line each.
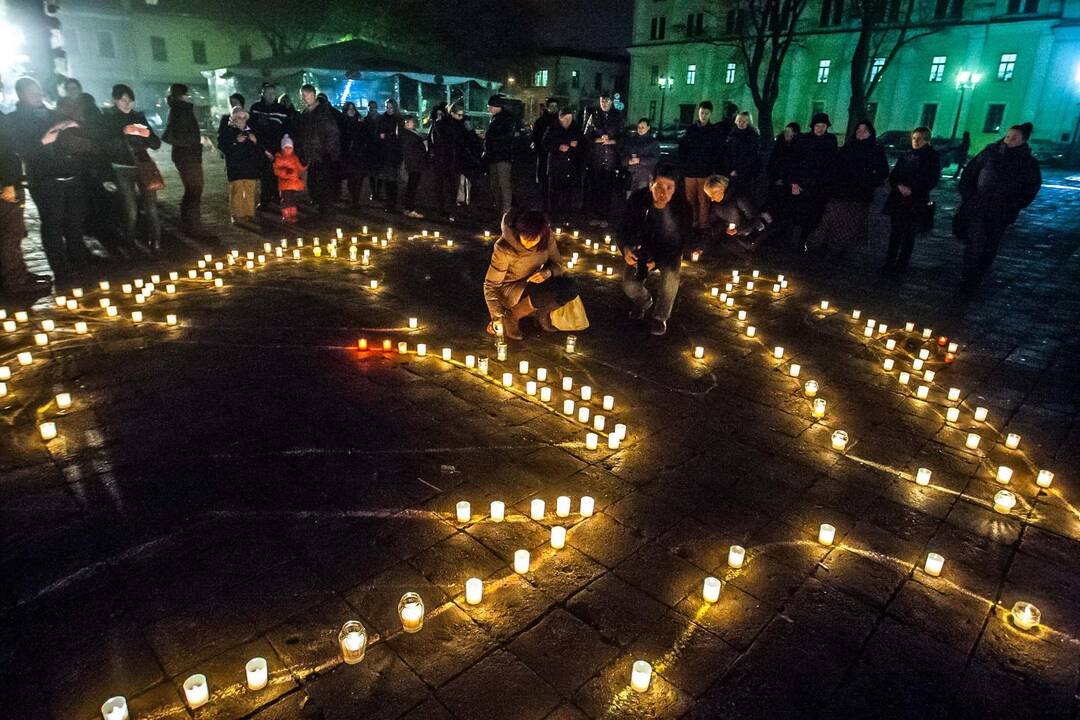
(268,192)
(986,228)
(446,187)
(191,177)
(901,240)
(61,205)
(560,197)
(390,190)
(601,186)
(134,199)
(321,185)
(412,182)
(552,293)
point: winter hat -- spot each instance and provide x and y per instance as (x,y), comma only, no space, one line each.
(286,142)
(496,101)
(820,118)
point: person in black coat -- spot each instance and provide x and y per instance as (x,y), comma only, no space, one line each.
(778,204)
(235,100)
(447,144)
(603,130)
(269,121)
(914,175)
(183,135)
(353,141)
(549,118)
(499,152)
(563,144)
(810,174)
(699,157)
(741,162)
(127,139)
(244,157)
(995,186)
(861,168)
(389,139)
(655,228)
(319,148)
(414,161)
(640,154)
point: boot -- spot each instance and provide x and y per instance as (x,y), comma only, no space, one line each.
(512,322)
(544,318)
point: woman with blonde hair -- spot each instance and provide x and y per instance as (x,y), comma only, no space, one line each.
(741,161)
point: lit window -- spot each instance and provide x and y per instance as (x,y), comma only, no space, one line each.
(876,68)
(540,78)
(729,74)
(1006,67)
(937,69)
(691,74)
(823,71)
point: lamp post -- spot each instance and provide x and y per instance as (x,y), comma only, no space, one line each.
(965,80)
(664,83)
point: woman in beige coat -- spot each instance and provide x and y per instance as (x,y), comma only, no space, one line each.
(525,276)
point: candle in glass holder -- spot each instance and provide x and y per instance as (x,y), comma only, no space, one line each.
(567,383)
(916,364)
(523,367)
(474,591)
(741,315)
(954,394)
(498,511)
(411,612)
(587,506)
(794,370)
(778,352)
(751,331)
(256,672)
(904,378)
(447,353)
(730,302)
(508,379)
(927,332)
(170,319)
(856,314)
(972,441)
(640,676)
(609,402)
(710,590)
(1004,502)
(922,392)
(112,311)
(1025,615)
(402,347)
(74,304)
(699,352)
(63,400)
(470,361)
(592,441)
(571,343)
(810,388)
(981,414)
(1012,441)
(824,304)
(530,387)
(562,506)
(953,347)
(1044,479)
(196,691)
(10,326)
(568,407)
(952,414)
(736,556)
(868,331)
(464,511)
(888,364)
(421,349)
(536,509)
(541,374)
(613,442)
(521,561)
(25,358)
(115,708)
(928,376)
(819,408)
(1004,474)
(586,393)
(826,534)
(558,537)
(545,394)
(104,302)
(839,440)
(934,564)
(890,344)
(922,476)
(41,339)
(81,328)
(170,289)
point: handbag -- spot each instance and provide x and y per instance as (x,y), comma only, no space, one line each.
(571,316)
(149,176)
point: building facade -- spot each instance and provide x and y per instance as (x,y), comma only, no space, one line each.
(1024,53)
(573,77)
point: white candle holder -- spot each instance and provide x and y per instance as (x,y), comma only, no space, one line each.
(778,352)
(115,708)
(474,591)
(257,673)
(1044,479)
(562,506)
(710,590)
(819,408)
(63,400)
(558,537)
(1025,615)
(567,383)
(464,511)
(922,476)
(541,374)
(196,691)
(521,561)
(981,414)
(536,509)
(810,388)
(1004,502)
(794,369)
(411,612)
(736,556)
(934,564)
(839,440)
(952,414)
(826,534)
(699,352)
(640,676)
(47,430)
(609,402)
(498,511)
(1004,474)
(972,441)
(587,506)
(888,364)
(1012,441)
(592,441)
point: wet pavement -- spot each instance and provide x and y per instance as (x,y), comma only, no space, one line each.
(244,482)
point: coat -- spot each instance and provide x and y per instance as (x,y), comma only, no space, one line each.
(499,138)
(861,167)
(919,170)
(602,156)
(742,156)
(641,229)
(269,120)
(25,128)
(243,159)
(447,143)
(413,152)
(512,264)
(388,131)
(543,124)
(813,163)
(563,165)
(700,149)
(1002,178)
(647,150)
(781,159)
(287,168)
(182,132)
(319,137)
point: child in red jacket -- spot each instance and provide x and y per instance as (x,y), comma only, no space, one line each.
(287,168)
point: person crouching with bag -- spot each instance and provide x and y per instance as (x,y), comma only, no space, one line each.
(525,276)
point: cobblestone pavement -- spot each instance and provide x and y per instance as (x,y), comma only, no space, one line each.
(243,483)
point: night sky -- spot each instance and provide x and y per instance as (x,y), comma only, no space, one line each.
(586,24)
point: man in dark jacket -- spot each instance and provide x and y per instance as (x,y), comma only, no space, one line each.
(268,119)
(563,144)
(995,186)
(549,118)
(640,154)
(388,136)
(447,145)
(699,157)
(603,130)
(810,174)
(655,229)
(414,157)
(914,175)
(499,152)
(319,149)
(182,133)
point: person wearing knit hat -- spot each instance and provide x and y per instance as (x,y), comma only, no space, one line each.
(290,183)
(499,151)
(810,175)
(994,187)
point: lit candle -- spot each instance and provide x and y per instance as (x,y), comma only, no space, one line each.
(1025,615)
(115,708)
(641,676)
(568,407)
(1044,479)
(411,612)
(521,561)
(741,315)
(613,442)
(592,441)
(362,344)
(373,284)
(905,378)
(562,506)
(196,691)
(536,509)
(888,364)
(73,304)
(218,282)
(810,388)
(952,414)
(972,441)
(3,389)
(778,352)
(474,591)
(922,476)
(890,344)
(953,347)
(25,358)
(883,328)
(856,314)
(421,349)
(749,285)
(571,343)
(75,292)
(63,400)
(824,304)
(545,394)
(794,370)
(826,534)
(1004,502)
(470,361)
(927,332)
(10,326)
(256,673)
(730,302)
(81,328)
(839,440)
(170,289)
(587,506)
(924,354)
(922,392)
(541,374)
(776,287)
(104,302)
(1012,441)
(699,352)
(530,387)
(402,347)
(819,408)
(60,301)
(464,511)
(386,345)
(928,376)
(447,353)
(567,383)
(1004,474)
(934,563)
(498,511)
(916,364)
(558,537)
(5,372)
(710,591)
(609,404)
(868,331)
(41,339)
(714,291)
(112,311)
(981,413)
(736,556)
(170,319)
(508,379)
(48,325)
(954,394)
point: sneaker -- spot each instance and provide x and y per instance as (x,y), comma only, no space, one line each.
(639,313)
(657,327)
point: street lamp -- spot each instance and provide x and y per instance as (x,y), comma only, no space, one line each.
(665,83)
(965,80)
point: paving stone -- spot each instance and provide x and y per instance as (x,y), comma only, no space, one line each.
(461,642)
(500,685)
(563,650)
(618,610)
(381,686)
(609,694)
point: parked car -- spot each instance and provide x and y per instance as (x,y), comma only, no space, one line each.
(1049,153)
(895,142)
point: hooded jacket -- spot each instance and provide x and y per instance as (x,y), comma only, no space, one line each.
(512,264)
(700,149)
(601,156)
(861,167)
(243,160)
(182,132)
(287,168)
(1002,177)
(641,228)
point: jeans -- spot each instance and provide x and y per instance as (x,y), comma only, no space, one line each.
(639,295)
(412,182)
(500,185)
(191,176)
(62,207)
(135,199)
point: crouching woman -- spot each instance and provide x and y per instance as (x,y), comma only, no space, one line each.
(525,276)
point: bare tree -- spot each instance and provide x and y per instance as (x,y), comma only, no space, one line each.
(763,32)
(884,28)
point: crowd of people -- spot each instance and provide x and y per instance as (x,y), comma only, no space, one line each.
(723,186)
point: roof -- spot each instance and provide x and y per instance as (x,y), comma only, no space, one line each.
(357,56)
(612,57)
